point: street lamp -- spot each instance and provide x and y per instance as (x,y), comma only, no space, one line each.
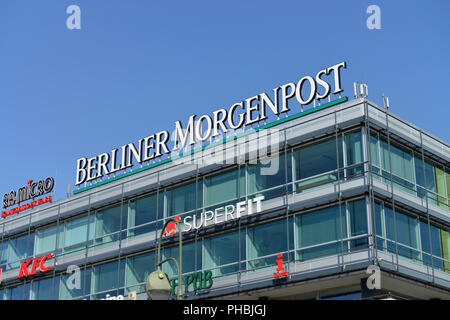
(157,285)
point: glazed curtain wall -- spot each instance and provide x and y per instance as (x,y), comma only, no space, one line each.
(300,237)
(412,237)
(299,169)
(411,172)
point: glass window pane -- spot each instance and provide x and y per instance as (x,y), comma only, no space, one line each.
(18,249)
(436,241)
(447,182)
(105,277)
(424,237)
(353,144)
(220,250)
(76,231)
(4,252)
(389,223)
(143,211)
(436,244)
(21,292)
(107,222)
(268,173)
(379,219)
(46,239)
(430,182)
(445,238)
(440,187)
(266,239)
(402,162)
(358,222)
(188,259)
(316,159)
(75,284)
(221,187)
(358,218)
(419,173)
(407,230)
(181,198)
(320,226)
(46,289)
(354,155)
(384,149)
(243,245)
(139,267)
(430,176)
(374,151)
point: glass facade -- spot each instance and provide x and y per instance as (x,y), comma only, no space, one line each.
(409,171)
(223,252)
(411,236)
(300,236)
(303,236)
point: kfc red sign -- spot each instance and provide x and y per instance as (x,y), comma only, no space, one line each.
(35,264)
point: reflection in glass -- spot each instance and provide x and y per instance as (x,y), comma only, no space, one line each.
(138,269)
(320,227)
(266,239)
(221,250)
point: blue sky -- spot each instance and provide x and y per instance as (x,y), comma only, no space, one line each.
(137,66)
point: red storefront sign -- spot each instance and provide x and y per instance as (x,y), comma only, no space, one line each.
(26,206)
(281,271)
(36,263)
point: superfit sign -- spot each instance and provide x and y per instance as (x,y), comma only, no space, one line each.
(31,190)
(199,129)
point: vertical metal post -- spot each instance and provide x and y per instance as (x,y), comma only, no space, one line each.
(240,256)
(339,189)
(158,191)
(286,201)
(426,201)
(56,250)
(120,240)
(87,243)
(180,253)
(392,187)
(196,210)
(370,182)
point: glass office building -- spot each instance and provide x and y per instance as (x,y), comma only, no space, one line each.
(350,185)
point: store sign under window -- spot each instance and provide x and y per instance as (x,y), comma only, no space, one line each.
(219,215)
(199,281)
(35,264)
(30,191)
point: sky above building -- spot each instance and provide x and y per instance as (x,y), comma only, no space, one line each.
(135,67)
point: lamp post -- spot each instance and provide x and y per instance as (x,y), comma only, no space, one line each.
(158,286)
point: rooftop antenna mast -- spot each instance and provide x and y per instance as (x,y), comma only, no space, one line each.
(385,101)
(363,90)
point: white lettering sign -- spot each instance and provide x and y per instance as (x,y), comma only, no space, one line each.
(205,127)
